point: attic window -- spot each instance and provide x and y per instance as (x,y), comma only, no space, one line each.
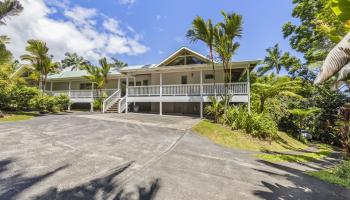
(186,60)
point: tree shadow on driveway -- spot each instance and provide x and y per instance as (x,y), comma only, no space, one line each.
(304,186)
(105,187)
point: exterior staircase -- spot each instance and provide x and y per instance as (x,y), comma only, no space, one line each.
(113,108)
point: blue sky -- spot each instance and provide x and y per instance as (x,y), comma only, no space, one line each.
(144,31)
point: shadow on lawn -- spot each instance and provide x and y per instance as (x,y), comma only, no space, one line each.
(305,186)
(100,188)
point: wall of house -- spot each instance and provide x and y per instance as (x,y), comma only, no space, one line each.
(75,85)
(177,108)
(174,78)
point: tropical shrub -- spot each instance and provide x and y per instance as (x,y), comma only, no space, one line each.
(63,102)
(261,126)
(215,108)
(234,117)
(44,104)
(21,96)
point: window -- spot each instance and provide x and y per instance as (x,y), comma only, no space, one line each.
(131,83)
(183,79)
(85,86)
(145,82)
(209,76)
(138,83)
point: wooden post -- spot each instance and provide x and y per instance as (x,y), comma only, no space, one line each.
(69,88)
(248,89)
(201,91)
(126,99)
(160,93)
(51,86)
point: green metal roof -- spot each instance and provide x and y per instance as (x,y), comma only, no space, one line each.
(76,74)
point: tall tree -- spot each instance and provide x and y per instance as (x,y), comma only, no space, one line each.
(74,61)
(317,32)
(267,87)
(225,34)
(41,61)
(118,63)
(277,60)
(9,8)
(203,31)
(105,69)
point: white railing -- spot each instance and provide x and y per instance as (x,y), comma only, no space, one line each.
(78,94)
(153,90)
(122,105)
(189,90)
(112,99)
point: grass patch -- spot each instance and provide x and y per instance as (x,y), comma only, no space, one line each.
(339,175)
(324,151)
(18,116)
(240,140)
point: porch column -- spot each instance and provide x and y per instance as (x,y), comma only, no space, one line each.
(92,90)
(91,107)
(69,87)
(134,85)
(160,93)
(126,94)
(118,83)
(201,90)
(248,88)
(51,86)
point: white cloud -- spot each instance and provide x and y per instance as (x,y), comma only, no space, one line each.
(77,33)
(127,2)
(113,26)
(81,15)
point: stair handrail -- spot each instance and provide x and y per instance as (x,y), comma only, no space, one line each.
(122,104)
(107,103)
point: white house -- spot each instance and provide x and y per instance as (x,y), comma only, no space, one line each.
(182,83)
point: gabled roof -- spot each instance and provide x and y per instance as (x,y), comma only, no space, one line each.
(21,70)
(183,49)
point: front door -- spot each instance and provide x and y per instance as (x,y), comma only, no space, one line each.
(183,79)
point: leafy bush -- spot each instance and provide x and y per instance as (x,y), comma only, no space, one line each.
(215,109)
(63,102)
(234,117)
(343,171)
(21,96)
(44,104)
(258,125)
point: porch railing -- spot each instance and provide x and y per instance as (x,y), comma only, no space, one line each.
(189,90)
(79,94)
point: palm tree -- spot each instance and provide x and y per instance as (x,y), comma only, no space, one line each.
(40,60)
(74,61)
(272,61)
(9,8)
(225,34)
(118,63)
(203,31)
(269,86)
(105,68)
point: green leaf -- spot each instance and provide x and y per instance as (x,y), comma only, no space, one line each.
(341,8)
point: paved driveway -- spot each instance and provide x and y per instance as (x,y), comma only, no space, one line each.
(141,157)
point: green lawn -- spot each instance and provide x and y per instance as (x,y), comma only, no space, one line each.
(18,117)
(299,158)
(339,175)
(277,151)
(239,140)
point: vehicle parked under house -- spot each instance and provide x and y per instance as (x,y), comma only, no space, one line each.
(182,83)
